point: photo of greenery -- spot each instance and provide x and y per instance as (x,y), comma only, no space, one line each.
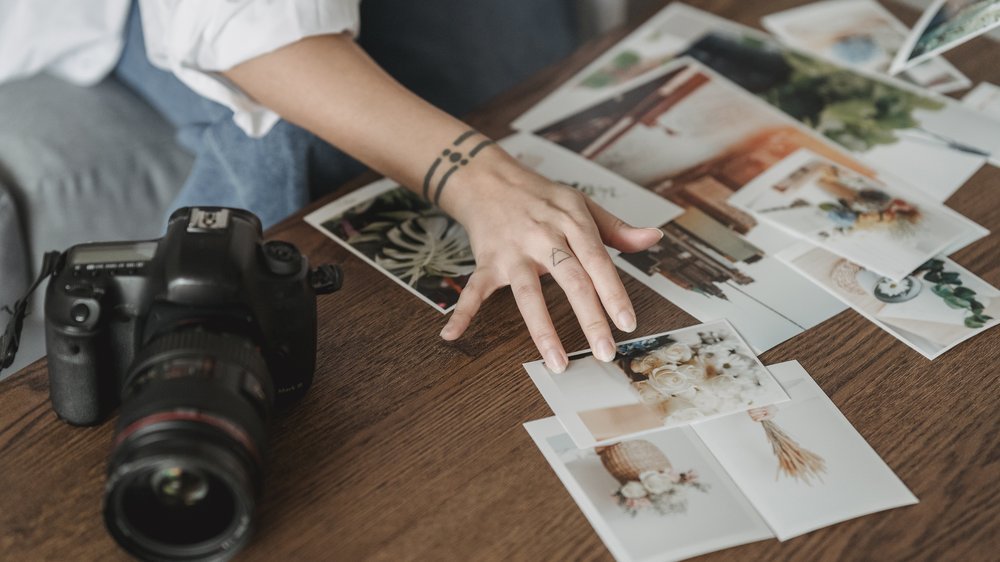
(849,108)
(412,240)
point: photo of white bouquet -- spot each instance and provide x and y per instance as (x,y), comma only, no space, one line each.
(664,380)
(688,380)
(648,481)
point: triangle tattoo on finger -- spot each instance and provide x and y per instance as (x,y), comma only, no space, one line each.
(559,256)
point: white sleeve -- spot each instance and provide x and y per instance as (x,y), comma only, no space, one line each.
(198,39)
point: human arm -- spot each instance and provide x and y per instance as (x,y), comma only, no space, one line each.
(520,225)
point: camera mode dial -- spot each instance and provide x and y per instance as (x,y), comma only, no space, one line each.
(282,258)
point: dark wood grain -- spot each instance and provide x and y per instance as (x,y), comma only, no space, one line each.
(409,447)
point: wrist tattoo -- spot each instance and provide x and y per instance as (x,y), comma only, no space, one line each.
(454,158)
(559,256)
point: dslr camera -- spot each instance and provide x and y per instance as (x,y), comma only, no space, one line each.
(197,336)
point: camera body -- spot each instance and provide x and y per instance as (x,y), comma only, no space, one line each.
(212,270)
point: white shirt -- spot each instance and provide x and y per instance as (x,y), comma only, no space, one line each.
(81,40)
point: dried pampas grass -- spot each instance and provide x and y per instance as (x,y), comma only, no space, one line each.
(793,460)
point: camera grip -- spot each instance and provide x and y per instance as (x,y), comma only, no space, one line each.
(76,389)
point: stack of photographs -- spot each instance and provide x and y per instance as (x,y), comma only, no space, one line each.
(691,136)
(776,471)
(925,139)
(859,34)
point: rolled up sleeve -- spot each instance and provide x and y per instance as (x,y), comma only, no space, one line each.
(197,40)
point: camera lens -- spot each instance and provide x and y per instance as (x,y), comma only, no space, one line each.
(176,485)
(187,462)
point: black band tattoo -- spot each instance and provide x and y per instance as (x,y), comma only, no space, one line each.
(452,157)
(559,256)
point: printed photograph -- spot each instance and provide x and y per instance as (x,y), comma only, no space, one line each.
(409,240)
(801,464)
(620,197)
(938,306)
(661,381)
(946,24)
(859,34)
(694,139)
(927,140)
(985,98)
(887,229)
(421,248)
(659,498)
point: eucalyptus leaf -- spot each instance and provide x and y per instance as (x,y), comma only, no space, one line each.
(955,302)
(941,290)
(963,292)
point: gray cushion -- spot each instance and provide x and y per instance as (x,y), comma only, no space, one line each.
(79,164)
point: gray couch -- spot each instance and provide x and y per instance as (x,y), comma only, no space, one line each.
(76,165)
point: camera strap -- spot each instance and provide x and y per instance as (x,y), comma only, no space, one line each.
(11,338)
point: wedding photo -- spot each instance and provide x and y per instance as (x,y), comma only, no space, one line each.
(801,463)
(890,229)
(936,307)
(661,381)
(663,497)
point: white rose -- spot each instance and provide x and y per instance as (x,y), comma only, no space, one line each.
(647,363)
(694,373)
(668,380)
(656,482)
(633,490)
(647,394)
(676,353)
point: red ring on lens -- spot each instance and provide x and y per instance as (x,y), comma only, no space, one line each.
(226,426)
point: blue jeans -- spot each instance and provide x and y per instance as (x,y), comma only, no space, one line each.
(453,53)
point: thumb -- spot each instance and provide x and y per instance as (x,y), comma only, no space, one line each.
(620,235)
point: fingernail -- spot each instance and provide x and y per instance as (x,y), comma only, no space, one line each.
(658,231)
(446,332)
(626,321)
(605,350)
(554,361)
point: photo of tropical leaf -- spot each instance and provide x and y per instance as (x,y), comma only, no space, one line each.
(412,240)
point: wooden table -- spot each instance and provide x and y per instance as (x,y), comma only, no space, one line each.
(409,447)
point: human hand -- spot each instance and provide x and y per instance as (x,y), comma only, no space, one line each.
(521,226)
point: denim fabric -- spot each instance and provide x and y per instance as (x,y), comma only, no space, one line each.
(454,53)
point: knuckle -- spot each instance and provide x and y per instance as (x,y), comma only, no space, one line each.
(595,252)
(545,337)
(524,291)
(576,280)
(594,326)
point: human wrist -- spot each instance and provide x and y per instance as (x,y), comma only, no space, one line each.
(482,182)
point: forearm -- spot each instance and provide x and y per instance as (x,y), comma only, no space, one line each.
(328,85)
